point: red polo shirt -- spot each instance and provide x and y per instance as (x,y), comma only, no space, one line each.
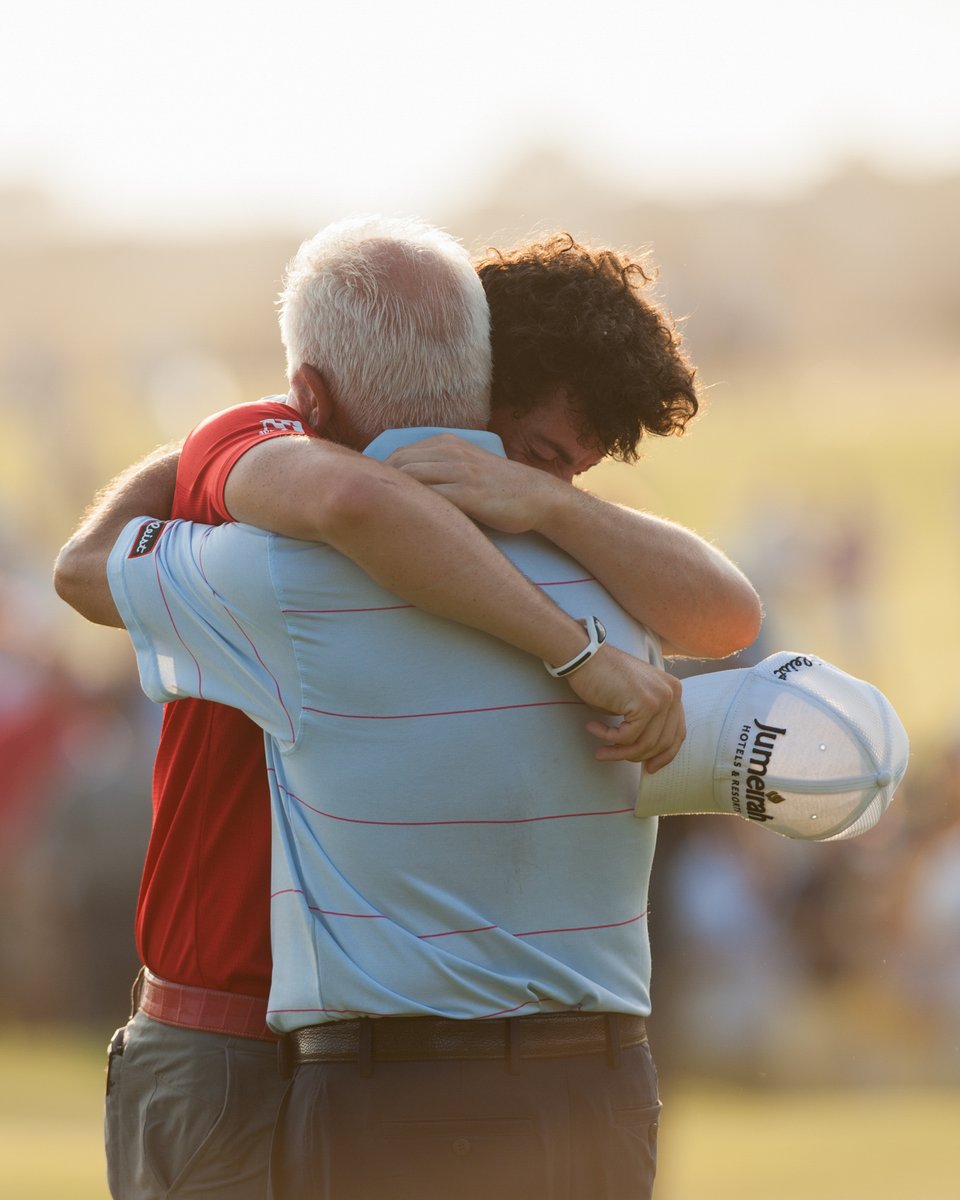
(203,912)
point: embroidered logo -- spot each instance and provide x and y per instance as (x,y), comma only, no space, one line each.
(279,425)
(146,540)
(795,664)
(760,755)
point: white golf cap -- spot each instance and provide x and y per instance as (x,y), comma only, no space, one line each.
(792,743)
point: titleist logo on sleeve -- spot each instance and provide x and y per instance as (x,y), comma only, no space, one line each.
(145,541)
(280,425)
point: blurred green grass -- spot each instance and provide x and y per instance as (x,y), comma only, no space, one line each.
(728,1143)
(718,1142)
(51,1114)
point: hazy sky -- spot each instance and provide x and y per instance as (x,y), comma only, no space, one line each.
(209,112)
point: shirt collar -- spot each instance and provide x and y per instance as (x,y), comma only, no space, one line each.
(392,439)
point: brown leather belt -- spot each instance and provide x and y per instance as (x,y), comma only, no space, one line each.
(203,1009)
(411,1039)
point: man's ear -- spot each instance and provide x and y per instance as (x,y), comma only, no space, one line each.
(312,395)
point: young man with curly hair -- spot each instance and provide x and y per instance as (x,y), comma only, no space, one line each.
(198,1059)
(584,367)
(568,320)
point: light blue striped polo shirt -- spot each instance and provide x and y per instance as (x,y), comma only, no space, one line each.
(444,842)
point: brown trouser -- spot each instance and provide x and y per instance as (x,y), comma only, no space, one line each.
(574,1128)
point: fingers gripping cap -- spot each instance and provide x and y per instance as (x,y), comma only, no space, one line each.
(792,743)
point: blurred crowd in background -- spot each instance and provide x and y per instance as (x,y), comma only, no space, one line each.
(774,960)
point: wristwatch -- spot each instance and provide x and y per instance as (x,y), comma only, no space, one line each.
(597,634)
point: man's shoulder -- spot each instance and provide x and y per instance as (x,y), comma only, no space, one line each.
(265,417)
(212,449)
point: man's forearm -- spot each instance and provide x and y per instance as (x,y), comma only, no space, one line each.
(406,537)
(664,575)
(79,574)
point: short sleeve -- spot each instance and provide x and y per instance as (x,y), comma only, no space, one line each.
(213,448)
(200,607)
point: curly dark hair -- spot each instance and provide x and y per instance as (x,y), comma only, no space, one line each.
(572,318)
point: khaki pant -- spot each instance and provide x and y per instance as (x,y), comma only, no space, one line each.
(189,1114)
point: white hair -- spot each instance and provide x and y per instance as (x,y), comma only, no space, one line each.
(392,313)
